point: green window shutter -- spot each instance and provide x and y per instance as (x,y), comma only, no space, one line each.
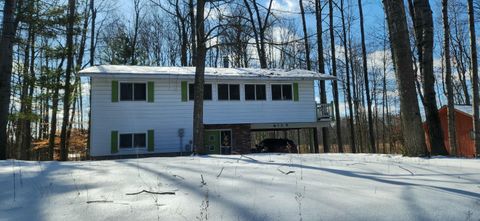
(150,89)
(151,139)
(114,142)
(184,91)
(295,91)
(114,91)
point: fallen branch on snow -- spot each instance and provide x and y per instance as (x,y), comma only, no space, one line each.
(203,181)
(407,170)
(99,201)
(246,157)
(151,192)
(286,173)
(178,176)
(220,172)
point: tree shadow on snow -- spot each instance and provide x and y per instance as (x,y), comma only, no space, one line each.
(358,175)
(27,190)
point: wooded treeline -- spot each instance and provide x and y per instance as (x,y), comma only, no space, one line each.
(391,72)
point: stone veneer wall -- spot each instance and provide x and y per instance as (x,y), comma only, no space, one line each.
(241,140)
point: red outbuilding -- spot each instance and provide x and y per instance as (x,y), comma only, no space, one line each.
(464,129)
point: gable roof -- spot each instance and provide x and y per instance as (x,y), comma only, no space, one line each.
(210,73)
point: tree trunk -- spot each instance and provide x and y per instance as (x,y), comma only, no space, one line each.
(411,121)
(321,69)
(77,86)
(365,76)
(423,26)
(23,134)
(137,9)
(93,11)
(473,56)
(53,122)
(6,60)
(305,36)
(92,63)
(335,82)
(347,72)
(192,29)
(66,98)
(452,133)
(198,139)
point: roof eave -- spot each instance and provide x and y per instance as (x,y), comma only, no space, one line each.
(208,77)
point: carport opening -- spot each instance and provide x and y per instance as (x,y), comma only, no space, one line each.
(302,137)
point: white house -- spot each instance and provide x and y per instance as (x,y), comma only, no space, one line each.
(149,110)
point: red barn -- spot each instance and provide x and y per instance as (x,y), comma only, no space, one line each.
(464,129)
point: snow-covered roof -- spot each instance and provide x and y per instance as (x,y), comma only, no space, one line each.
(210,73)
(465,109)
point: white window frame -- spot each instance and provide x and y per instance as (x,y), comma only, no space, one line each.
(281,90)
(132,134)
(133,90)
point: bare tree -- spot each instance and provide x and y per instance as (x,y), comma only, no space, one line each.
(321,69)
(423,28)
(411,121)
(335,83)
(137,8)
(259,28)
(347,72)
(193,40)
(473,55)
(198,139)
(452,134)
(6,59)
(181,18)
(305,36)
(365,75)
(67,89)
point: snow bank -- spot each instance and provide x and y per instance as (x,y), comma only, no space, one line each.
(251,187)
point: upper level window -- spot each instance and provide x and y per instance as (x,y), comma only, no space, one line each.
(228,92)
(137,140)
(255,92)
(207,92)
(133,91)
(281,92)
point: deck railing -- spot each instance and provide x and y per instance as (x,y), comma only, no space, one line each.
(324,111)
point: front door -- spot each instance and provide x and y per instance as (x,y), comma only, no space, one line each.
(212,141)
(218,141)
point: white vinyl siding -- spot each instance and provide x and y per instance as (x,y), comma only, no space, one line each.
(168,114)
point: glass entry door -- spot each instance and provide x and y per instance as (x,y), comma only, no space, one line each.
(226,141)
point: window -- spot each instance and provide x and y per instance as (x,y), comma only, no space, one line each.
(207,92)
(255,92)
(133,91)
(223,92)
(139,140)
(281,92)
(126,140)
(139,92)
(228,92)
(136,140)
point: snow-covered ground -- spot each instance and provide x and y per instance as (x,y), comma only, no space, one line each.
(251,187)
